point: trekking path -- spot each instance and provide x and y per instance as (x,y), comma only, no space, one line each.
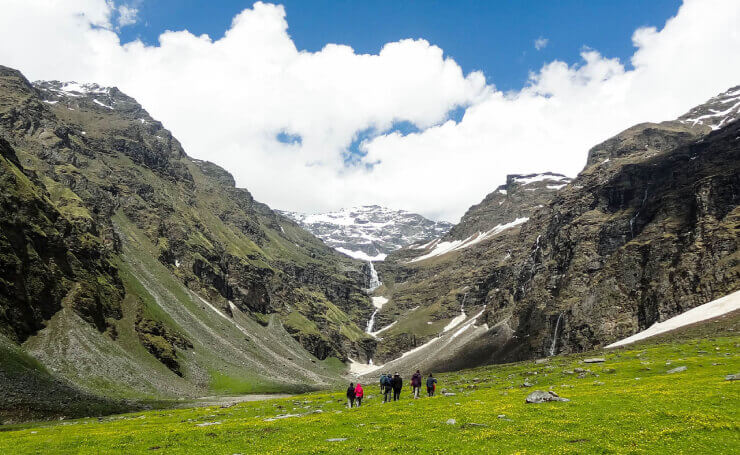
(231,400)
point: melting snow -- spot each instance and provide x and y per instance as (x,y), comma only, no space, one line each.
(50,102)
(383,329)
(709,310)
(446,247)
(725,114)
(359,369)
(378,302)
(361,255)
(538,178)
(102,104)
(455,322)
(556,187)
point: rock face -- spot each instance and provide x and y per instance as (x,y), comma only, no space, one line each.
(370,232)
(110,231)
(518,198)
(649,229)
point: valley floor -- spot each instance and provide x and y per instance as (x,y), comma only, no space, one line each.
(630,403)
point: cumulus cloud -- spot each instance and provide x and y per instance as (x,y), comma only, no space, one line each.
(540,43)
(234,101)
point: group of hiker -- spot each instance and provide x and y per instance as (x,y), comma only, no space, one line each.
(390,387)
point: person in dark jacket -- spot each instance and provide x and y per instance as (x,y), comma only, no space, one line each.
(431,385)
(382,384)
(397,386)
(351,395)
(387,388)
(416,383)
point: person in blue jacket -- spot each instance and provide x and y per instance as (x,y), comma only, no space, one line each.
(431,385)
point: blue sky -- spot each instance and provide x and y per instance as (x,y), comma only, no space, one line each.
(330,128)
(496,37)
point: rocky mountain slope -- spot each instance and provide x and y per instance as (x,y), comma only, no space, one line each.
(129,269)
(649,229)
(370,232)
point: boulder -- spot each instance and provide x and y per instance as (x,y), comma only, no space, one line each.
(732,377)
(540,396)
(451,422)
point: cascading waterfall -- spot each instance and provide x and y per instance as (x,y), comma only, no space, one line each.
(555,335)
(371,322)
(374,283)
(374,280)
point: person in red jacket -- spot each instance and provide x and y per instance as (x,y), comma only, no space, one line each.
(359,393)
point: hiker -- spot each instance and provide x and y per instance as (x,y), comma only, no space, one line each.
(382,384)
(416,383)
(351,395)
(431,385)
(387,388)
(397,386)
(358,394)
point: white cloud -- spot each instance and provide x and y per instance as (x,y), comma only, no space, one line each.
(540,43)
(127,15)
(226,100)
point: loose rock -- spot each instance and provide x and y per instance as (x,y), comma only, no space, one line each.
(732,377)
(677,370)
(336,439)
(451,421)
(594,360)
(540,396)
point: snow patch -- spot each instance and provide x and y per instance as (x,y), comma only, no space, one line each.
(358,369)
(457,320)
(361,255)
(538,178)
(383,329)
(455,245)
(378,302)
(102,104)
(713,309)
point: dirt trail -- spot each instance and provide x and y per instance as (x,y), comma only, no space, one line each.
(231,400)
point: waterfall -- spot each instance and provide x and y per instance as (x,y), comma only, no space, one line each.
(374,280)
(371,322)
(555,335)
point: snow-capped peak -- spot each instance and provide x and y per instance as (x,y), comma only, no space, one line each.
(73,89)
(370,232)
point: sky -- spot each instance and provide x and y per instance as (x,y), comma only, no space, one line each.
(424,106)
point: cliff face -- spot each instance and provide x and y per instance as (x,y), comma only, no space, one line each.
(106,220)
(647,230)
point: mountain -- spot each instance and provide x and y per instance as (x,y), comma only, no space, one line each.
(370,232)
(129,270)
(649,229)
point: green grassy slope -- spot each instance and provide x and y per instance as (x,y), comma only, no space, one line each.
(628,404)
(131,271)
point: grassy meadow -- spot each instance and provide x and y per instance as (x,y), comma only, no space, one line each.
(628,404)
